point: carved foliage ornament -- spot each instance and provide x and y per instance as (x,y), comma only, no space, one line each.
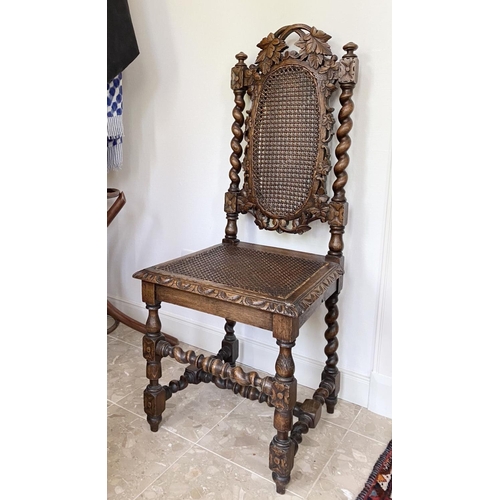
(324,69)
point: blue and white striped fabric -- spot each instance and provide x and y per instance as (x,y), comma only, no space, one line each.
(115,124)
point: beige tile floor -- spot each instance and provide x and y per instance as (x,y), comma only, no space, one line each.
(213,444)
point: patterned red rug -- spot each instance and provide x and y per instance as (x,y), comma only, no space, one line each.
(379,484)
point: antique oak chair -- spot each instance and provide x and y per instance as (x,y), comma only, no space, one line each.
(285,165)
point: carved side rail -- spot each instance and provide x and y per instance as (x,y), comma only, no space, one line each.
(194,375)
(213,370)
(215,366)
(190,376)
(247,392)
(298,429)
(309,412)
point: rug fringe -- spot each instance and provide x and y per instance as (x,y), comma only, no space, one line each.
(372,479)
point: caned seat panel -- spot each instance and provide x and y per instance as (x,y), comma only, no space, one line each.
(259,271)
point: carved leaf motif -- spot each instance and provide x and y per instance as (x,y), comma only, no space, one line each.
(252,77)
(320,200)
(327,121)
(320,208)
(318,291)
(270,53)
(327,88)
(323,170)
(330,67)
(315,60)
(314,42)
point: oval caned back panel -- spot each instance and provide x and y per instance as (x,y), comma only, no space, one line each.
(285,142)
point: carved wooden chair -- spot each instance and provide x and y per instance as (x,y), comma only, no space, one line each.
(286,163)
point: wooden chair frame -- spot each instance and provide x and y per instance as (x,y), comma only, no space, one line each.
(282,314)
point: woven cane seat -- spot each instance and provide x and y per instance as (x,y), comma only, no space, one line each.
(249,274)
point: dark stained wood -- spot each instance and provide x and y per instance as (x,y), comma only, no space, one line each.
(288,294)
(117,205)
(237,78)
(280,178)
(154,394)
(230,345)
(284,397)
(331,372)
(349,63)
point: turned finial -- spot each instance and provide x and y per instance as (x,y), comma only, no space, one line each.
(350,48)
(241,56)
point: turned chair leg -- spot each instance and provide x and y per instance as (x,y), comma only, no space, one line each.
(331,372)
(230,345)
(154,394)
(284,397)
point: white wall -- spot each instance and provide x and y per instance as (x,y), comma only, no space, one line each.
(177,116)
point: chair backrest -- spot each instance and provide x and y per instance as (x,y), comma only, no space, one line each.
(287,134)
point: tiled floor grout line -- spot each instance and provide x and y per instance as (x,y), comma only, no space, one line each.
(193,444)
(224,417)
(359,433)
(327,462)
(334,451)
(368,437)
(248,470)
(125,342)
(130,411)
(143,418)
(168,468)
(349,429)
(234,463)
(230,461)
(354,420)
(265,478)
(164,430)
(197,443)
(128,394)
(325,466)
(123,397)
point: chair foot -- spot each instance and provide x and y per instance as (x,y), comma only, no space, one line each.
(154,405)
(281,456)
(330,404)
(154,423)
(280,483)
(331,400)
